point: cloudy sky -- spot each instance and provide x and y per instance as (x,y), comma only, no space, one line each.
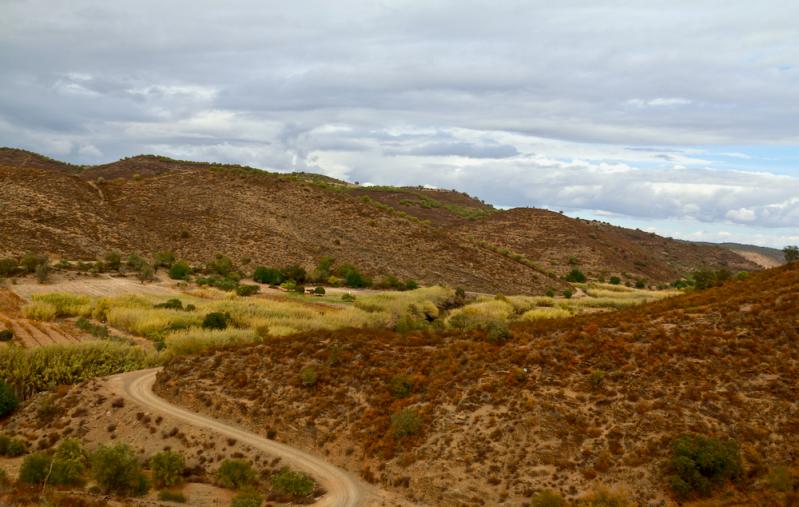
(680,117)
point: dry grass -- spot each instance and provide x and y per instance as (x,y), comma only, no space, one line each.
(545,313)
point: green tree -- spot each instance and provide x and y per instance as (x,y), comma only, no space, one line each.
(35,468)
(576,276)
(113,261)
(215,320)
(69,464)
(235,473)
(117,470)
(164,259)
(8,400)
(291,483)
(180,270)
(791,253)
(167,467)
(699,464)
(271,276)
(405,423)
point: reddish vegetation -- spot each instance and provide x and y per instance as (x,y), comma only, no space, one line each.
(564,404)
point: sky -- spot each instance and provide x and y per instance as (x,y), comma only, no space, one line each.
(676,117)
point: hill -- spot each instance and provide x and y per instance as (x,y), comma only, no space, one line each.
(151,203)
(451,419)
(763,256)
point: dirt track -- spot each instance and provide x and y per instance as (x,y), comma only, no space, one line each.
(342,489)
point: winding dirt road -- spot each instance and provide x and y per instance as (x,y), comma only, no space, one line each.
(342,489)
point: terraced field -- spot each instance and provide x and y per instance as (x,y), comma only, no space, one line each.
(31,333)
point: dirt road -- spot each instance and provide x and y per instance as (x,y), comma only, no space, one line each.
(342,489)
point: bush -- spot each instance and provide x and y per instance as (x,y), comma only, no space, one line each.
(6,335)
(247,290)
(15,447)
(547,498)
(180,270)
(167,467)
(640,284)
(267,275)
(235,473)
(348,298)
(291,483)
(113,261)
(405,423)
(497,331)
(400,385)
(606,498)
(567,294)
(791,253)
(615,280)
(8,400)
(699,464)
(309,377)
(135,262)
(35,468)
(164,259)
(576,276)
(166,495)
(319,291)
(42,273)
(411,285)
(116,470)
(146,274)
(294,272)
(247,498)
(69,464)
(30,262)
(171,304)
(8,266)
(221,265)
(215,320)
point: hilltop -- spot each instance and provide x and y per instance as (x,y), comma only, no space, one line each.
(562,404)
(151,203)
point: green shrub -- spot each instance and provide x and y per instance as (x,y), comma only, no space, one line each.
(400,385)
(166,495)
(497,331)
(146,274)
(791,253)
(16,447)
(215,320)
(294,272)
(547,498)
(135,262)
(411,285)
(699,464)
(268,275)
(405,422)
(780,478)
(42,273)
(87,326)
(8,400)
(640,284)
(221,265)
(6,335)
(348,298)
(167,468)
(69,464)
(615,280)
(575,276)
(4,480)
(171,304)
(116,470)
(35,468)
(319,291)
(567,294)
(113,261)
(604,497)
(308,376)
(291,483)
(550,293)
(247,290)
(247,498)
(8,267)
(164,259)
(235,473)
(30,262)
(180,270)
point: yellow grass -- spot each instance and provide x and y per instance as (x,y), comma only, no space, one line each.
(153,323)
(545,313)
(39,310)
(193,340)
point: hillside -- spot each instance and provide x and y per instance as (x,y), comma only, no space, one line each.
(763,256)
(566,405)
(150,203)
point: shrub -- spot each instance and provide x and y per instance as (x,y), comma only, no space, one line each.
(221,265)
(8,266)
(69,464)
(171,304)
(146,274)
(247,290)
(291,483)
(615,280)
(215,320)
(411,285)
(791,253)
(6,335)
(135,262)
(267,275)
(87,326)
(779,478)
(235,473)
(309,377)
(16,447)
(547,498)
(699,464)
(247,498)
(166,495)
(576,276)
(164,259)
(167,467)
(180,270)
(8,400)
(405,423)
(606,498)
(640,284)
(116,470)
(113,261)
(4,480)
(567,294)
(30,262)
(348,297)
(319,291)
(400,385)
(42,273)
(35,468)
(294,272)
(550,293)
(497,331)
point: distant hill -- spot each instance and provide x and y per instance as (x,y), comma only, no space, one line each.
(763,256)
(150,203)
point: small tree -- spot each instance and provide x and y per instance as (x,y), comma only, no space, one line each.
(215,320)
(164,259)
(116,470)
(69,464)
(701,463)
(791,253)
(575,276)
(167,467)
(291,483)
(35,468)
(42,273)
(113,261)
(146,274)
(235,473)
(8,400)
(267,275)
(180,270)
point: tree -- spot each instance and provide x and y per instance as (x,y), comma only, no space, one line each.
(116,470)
(576,276)
(69,464)
(235,473)
(271,276)
(791,253)
(35,468)
(291,483)
(167,467)
(8,400)
(113,261)
(180,270)
(215,320)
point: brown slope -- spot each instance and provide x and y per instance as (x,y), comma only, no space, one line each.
(564,405)
(559,243)
(23,159)
(198,211)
